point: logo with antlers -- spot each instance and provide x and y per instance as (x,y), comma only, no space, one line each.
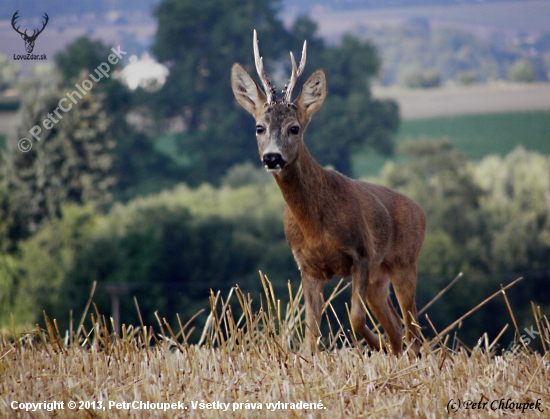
(29,40)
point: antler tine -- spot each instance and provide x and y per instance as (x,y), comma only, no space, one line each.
(46,20)
(295,75)
(14,22)
(266,83)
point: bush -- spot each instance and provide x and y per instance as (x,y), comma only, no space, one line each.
(521,72)
(422,79)
(172,259)
(10,72)
(488,219)
(8,281)
(9,104)
(244,174)
(466,78)
(35,278)
(168,250)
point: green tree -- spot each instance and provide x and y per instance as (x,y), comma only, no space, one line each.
(9,73)
(8,270)
(488,219)
(201,41)
(438,177)
(522,71)
(517,197)
(483,217)
(246,174)
(14,224)
(45,259)
(137,166)
(83,54)
(8,281)
(422,79)
(350,118)
(71,164)
(169,249)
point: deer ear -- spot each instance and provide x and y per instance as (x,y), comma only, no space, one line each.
(313,94)
(246,91)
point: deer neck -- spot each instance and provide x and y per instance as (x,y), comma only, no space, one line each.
(302,185)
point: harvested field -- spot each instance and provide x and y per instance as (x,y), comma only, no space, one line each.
(247,366)
(444,102)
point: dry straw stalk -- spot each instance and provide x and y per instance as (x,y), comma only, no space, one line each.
(251,362)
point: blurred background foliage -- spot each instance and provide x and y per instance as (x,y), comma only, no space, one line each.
(202,40)
(418,55)
(486,219)
(162,191)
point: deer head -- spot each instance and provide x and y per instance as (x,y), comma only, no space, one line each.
(280,123)
(29,40)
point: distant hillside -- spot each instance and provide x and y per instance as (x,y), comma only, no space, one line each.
(520,15)
(463,43)
(62,7)
(308,5)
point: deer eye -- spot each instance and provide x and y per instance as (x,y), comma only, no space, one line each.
(294,130)
(260,129)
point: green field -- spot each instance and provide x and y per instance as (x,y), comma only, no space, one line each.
(475,135)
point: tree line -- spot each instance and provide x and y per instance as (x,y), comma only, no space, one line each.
(488,219)
(417,55)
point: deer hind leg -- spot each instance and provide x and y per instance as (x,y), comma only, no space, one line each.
(379,302)
(404,285)
(360,284)
(312,288)
(393,310)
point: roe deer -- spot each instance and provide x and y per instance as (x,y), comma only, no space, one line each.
(336,226)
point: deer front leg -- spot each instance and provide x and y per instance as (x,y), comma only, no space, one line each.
(313,289)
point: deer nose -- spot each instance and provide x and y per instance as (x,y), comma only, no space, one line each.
(273,161)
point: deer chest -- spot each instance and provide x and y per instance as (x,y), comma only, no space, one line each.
(321,257)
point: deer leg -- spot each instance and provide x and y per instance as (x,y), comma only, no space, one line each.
(394,311)
(379,302)
(404,285)
(360,280)
(312,288)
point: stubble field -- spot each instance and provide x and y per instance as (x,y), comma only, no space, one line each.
(248,365)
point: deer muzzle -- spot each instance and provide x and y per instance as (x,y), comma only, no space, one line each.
(273,162)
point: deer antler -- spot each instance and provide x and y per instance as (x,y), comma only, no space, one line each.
(295,75)
(266,83)
(35,35)
(35,31)
(13,19)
